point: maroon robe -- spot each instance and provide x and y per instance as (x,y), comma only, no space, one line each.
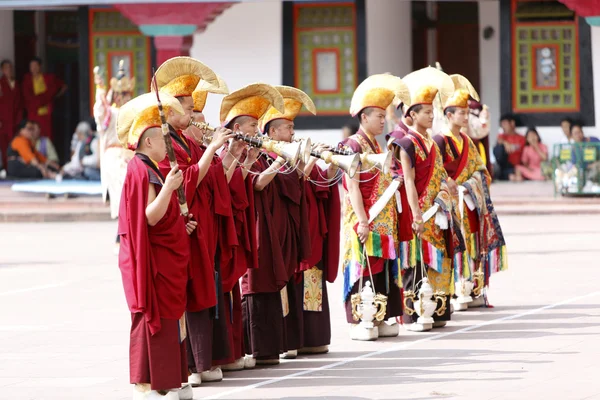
(11,113)
(283,241)
(324,216)
(154,263)
(211,246)
(33,102)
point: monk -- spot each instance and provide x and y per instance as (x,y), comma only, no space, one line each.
(11,109)
(209,201)
(485,248)
(154,255)
(39,92)
(371,240)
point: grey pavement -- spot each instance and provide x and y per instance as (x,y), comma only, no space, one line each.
(64,327)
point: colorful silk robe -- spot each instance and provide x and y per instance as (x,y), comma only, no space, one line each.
(481,230)
(383,237)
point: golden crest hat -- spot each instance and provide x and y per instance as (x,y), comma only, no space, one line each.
(459,99)
(460,82)
(141,114)
(203,89)
(121,83)
(252,100)
(378,91)
(293,100)
(179,76)
(426,83)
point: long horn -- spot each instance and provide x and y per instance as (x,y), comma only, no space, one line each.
(289,151)
(382,162)
(305,149)
(348,163)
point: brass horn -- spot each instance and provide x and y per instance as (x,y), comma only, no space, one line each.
(382,162)
(305,149)
(347,163)
(289,151)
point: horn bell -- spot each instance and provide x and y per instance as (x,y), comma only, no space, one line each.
(305,149)
(289,151)
(347,163)
(382,162)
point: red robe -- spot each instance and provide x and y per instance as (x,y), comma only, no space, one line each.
(33,102)
(11,113)
(282,225)
(210,204)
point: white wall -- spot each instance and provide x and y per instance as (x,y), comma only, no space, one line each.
(7,36)
(489,62)
(243,46)
(389,33)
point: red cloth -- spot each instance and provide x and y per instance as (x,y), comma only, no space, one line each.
(11,113)
(33,102)
(210,204)
(515,139)
(324,219)
(282,224)
(153,259)
(158,359)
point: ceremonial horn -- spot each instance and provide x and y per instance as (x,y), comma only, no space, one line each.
(305,148)
(349,163)
(382,162)
(289,151)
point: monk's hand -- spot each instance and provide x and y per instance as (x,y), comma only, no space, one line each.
(363,231)
(236,148)
(174,179)
(220,136)
(417,227)
(190,225)
(251,156)
(452,187)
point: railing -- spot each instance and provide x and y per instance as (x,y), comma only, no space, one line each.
(576,169)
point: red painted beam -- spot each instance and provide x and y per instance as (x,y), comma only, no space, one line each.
(583,8)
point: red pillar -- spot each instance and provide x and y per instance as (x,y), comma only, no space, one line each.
(172,46)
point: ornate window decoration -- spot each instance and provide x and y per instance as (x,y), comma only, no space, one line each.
(324,38)
(113,38)
(545,62)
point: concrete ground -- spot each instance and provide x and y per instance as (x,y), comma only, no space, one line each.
(64,327)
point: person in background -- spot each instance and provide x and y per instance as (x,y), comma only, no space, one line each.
(24,161)
(565,125)
(509,149)
(85,161)
(349,129)
(11,110)
(43,144)
(534,154)
(579,137)
(39,92)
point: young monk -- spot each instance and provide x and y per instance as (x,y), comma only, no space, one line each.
(154,255)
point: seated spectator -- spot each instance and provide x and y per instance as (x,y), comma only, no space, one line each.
(85,161)
(24,161)
(534,154)
(579,137)
(565,125)
(44,144)
(509,149)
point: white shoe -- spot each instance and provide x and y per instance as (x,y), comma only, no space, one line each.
(359,332)
(388,330)
(458,306)
(440,324)
(3,174)
(143,392)
(213,375)
(249,362)
(290,354)
(314,350)
(477,302)
(417,327)
(195,379)
(186,392)
(237,365)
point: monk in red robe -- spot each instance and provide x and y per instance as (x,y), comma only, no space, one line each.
(209,201)
(39,92)
(11,111)
(154,255)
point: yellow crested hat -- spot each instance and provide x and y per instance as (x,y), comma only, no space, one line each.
(141,114)
(203,89)
(252,100)
(179,76)
(293,100)
(378,91)
(426,83)
(459,99)
(460,82)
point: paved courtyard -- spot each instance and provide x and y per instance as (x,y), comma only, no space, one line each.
(64,327)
